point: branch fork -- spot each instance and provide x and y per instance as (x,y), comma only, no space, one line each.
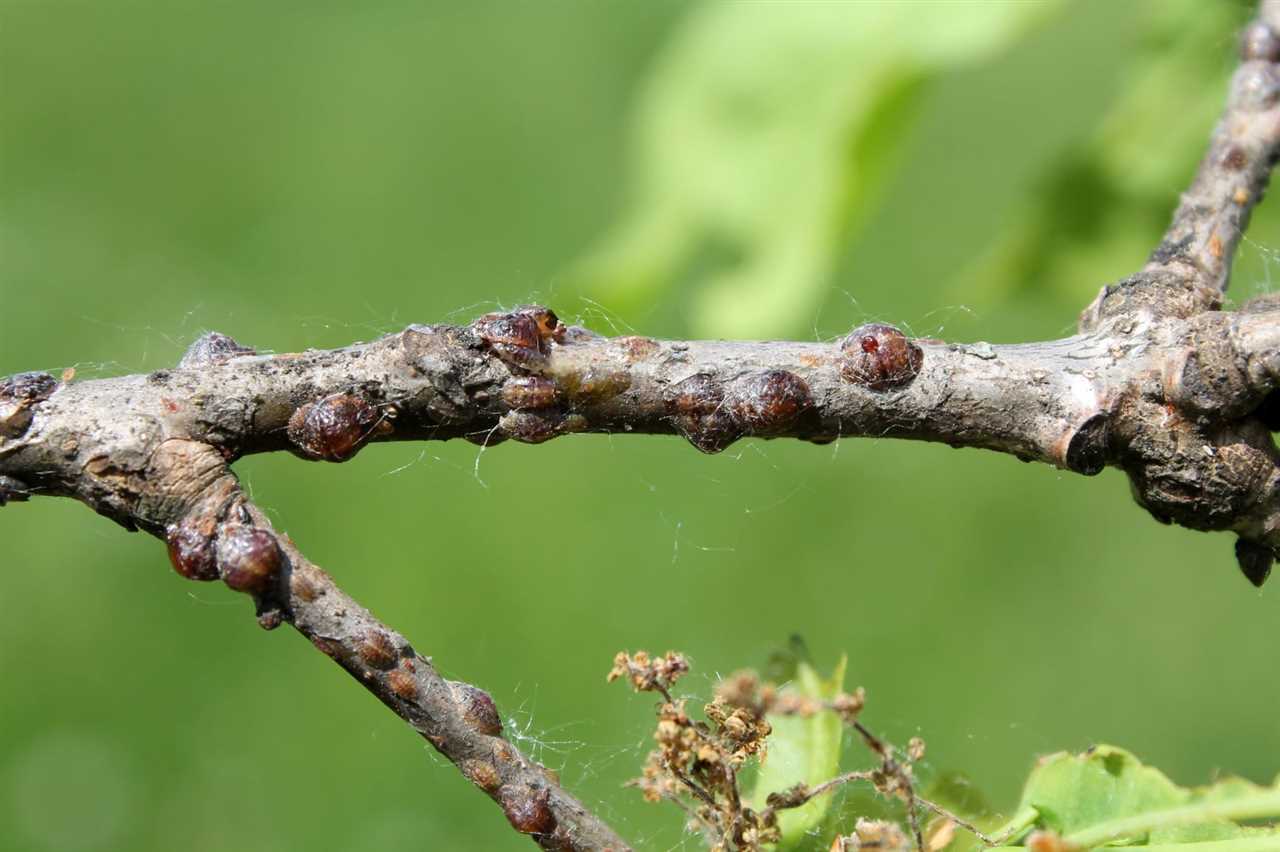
(1159,382)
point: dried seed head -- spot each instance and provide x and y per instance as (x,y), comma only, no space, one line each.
(212,348)
(377,650)
(478,709)
(249,558)
(528,809)
(334,428)
(769,403)
(528,392)
(879,357)
(1259,41)
(881,835)
(191,551)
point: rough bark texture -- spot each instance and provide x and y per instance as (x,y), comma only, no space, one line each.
(1158,382)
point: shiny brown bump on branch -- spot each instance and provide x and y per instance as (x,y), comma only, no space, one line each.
(336,427)
(696,406)
(191,547)
(249,558)
(522,337)
(879,357)
(479,711)
(769,402)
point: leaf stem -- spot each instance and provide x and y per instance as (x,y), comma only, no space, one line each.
(1254,806)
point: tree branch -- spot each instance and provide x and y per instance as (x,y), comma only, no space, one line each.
(1214,212)
(1158,382)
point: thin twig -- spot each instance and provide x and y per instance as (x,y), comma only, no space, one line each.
(963,823)
(1213,213)
(1157,383)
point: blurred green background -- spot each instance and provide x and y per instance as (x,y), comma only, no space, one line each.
(308,174)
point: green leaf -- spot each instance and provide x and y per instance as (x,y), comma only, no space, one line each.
(1105,796)
(762,139)
(802,751)
(1095,212)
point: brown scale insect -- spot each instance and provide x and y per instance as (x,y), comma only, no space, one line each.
(481,774)
(531,427)
(378,651)
(769,403)
(403,684)
(528,810)
(191,551)
(697,407)
(595,385)
(526,392)
(521,337)
(212,348)
(478,709)
(879,357)
(249,558)
(636,348)
(336,427)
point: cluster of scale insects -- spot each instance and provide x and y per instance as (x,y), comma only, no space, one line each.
(535,403)
(710,412)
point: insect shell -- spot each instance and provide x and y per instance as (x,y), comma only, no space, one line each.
(522,337)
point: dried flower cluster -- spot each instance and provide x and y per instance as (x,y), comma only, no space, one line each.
(745,689)
(648,674)
(696,763)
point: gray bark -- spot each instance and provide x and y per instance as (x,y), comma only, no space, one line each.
(1158,382)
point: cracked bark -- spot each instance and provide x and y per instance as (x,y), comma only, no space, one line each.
(1158,382)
